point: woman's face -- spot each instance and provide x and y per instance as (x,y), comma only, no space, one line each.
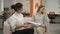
(20,10)
(42,10)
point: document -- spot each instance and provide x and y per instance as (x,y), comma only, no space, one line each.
(35,23)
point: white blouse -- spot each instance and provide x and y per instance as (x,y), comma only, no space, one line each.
(40,19)
(16,19)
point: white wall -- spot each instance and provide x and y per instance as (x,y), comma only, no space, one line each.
(26,4)
(1,6)
(8,3)
(52,5)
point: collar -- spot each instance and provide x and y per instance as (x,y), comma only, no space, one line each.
(17,14)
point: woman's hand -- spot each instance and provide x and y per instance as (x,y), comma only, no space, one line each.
(45,29)
(26,25)
(18,26)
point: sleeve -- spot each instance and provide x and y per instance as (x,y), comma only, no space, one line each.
(33,21)
(13,22)
(46,19)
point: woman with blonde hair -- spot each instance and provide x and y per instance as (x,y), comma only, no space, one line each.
(40,20)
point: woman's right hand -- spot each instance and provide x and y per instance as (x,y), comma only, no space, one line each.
(25,25)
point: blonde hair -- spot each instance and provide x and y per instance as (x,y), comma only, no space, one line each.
(41,6)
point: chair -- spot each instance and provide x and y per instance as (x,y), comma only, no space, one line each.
(52,16)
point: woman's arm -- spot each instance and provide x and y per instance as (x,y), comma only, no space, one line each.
(47,24)
(18,26)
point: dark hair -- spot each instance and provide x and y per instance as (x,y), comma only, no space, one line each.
(18,6)
(12,6)
(41,6)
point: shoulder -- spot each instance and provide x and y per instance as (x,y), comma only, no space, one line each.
(13,17)
(21,15)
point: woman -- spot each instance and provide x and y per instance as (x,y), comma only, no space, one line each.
(17,23)
(39,19)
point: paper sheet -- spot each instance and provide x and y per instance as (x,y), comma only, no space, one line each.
(35,23)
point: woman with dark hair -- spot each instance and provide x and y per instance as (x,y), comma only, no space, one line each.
(16,21)
(12,6)
(39,20)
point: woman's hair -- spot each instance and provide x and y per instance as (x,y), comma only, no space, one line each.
(18,6)
(12,6)
(41,6)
